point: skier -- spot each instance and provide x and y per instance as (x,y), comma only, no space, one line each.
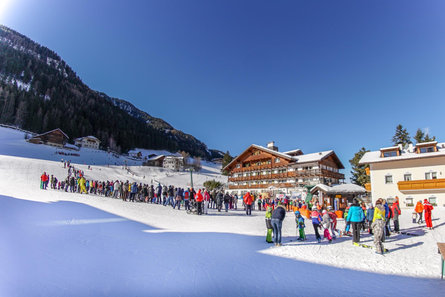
(278,216)
(370,217)
(378,226)
(206,202)
(326,222)
(199,198)
(428,208)
(355,217)
(299,220)
(395,208)
(187,199)
(269,225)
(316,220)
(219,200)
(226,201)
(248,201)
(419,211)
(333,217)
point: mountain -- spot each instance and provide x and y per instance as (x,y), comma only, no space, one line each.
(40,92)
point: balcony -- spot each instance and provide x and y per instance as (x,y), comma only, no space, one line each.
(368,187)
(422,185)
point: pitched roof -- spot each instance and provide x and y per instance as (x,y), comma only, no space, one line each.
(260,148)
(406,154)
(57,129)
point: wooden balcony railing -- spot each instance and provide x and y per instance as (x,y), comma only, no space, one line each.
(425,184)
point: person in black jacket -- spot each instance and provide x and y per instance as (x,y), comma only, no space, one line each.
(277,222)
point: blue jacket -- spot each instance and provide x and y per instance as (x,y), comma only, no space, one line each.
(370,214)
(355,214)
(387,211)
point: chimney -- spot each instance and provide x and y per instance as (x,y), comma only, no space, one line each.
(271,146)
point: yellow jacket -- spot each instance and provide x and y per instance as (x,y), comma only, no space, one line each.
(379,213)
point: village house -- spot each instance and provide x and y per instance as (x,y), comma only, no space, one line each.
(174,163)
(260,169)
(87,142)
(54,137)
(156,161)
(414,173)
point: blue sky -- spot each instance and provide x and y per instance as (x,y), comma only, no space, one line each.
(313,75)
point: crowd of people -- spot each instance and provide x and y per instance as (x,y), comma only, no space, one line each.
(376,220)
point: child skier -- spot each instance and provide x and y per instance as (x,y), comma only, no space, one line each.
(378,226)
(333,217)
(316,220)
(299,220)
(326,222)
(269,224)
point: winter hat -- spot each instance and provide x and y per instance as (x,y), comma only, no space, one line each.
(297,213)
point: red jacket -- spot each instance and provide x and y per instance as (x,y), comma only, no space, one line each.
(206,196)
(44,178)
(248,199)
(198,196)
(427,207)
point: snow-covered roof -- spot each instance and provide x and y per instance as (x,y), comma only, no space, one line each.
(312,157)
(272,151)
(406,154)
(57,129)
(156,158)
(426,143)
(389,148)
(292,151)
(321,187)
(347,189)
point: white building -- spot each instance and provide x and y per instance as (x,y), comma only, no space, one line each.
(412,174)
(88,142)
(173,163)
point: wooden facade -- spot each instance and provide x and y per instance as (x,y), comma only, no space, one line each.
(54,137)
(259,168)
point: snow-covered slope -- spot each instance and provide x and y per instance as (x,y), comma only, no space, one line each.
(54,243)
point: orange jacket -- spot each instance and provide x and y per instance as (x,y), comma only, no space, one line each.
(419,207)
(248,199)
(198,196)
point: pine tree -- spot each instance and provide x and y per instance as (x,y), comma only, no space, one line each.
(428,139)
(419,136)
(423,137)
(226,160)
(358,172)
(401,136)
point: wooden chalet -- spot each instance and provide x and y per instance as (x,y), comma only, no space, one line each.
(54,137)
(260,169)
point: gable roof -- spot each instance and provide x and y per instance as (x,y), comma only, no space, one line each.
(57,129)
(282,155)
(318,157)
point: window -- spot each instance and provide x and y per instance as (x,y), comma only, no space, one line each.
(433,200)
(429,149)
(407,177)
(409,201)
(277,160)
(431,175)
(388,179)
(390,154)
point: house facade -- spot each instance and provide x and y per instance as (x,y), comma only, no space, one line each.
(260,169)
(412,174)
(54,137)
(173,163)
(88,142)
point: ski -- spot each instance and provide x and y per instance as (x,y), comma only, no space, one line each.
(367,246)
(410,234)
